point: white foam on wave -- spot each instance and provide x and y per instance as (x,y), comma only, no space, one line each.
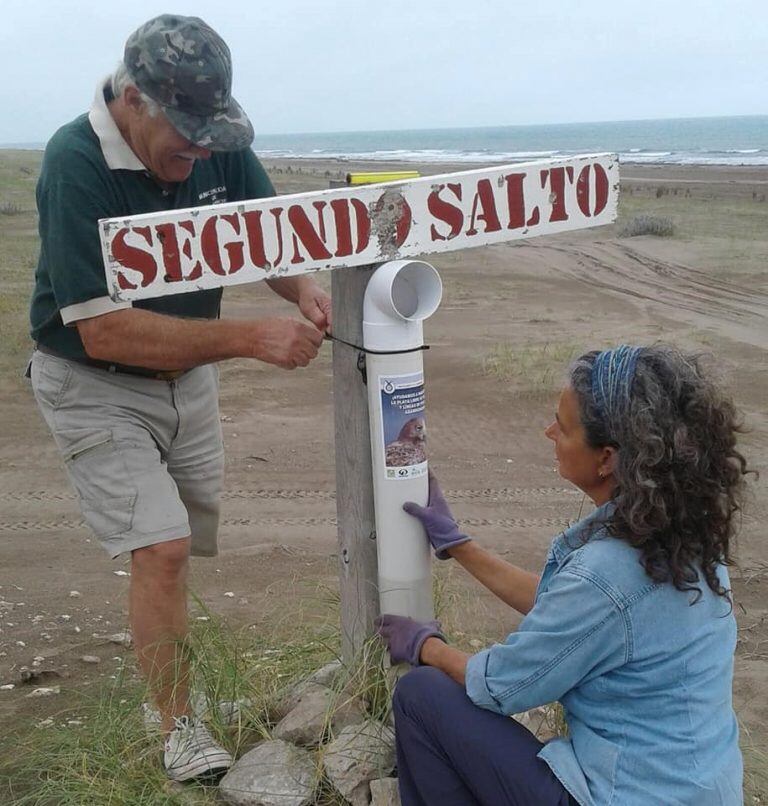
(753,157)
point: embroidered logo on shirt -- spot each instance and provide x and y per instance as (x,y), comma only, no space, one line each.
(214,195)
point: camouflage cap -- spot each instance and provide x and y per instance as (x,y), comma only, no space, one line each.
(184,65)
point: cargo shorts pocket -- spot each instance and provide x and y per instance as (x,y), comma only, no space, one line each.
(50,378)
(99,474)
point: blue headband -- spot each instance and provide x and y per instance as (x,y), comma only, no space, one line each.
(612,376)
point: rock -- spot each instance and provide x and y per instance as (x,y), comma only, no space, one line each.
(32,676)
(123,638)
(316,710)
(74,594)
(90,659)
(539,721)
(360,754)
(326,675)
(231,711)
(272,774)
(45,692)
(384,792)
(151,718)
(121,573)
(288,699)
(228,711)
(8,687)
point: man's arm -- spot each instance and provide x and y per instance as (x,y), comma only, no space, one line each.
(306,293)
(514,586)
(146,339)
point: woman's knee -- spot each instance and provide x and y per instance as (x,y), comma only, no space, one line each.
(422,687)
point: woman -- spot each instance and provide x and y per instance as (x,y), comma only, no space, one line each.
(630,625)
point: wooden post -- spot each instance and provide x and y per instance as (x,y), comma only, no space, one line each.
(354,477)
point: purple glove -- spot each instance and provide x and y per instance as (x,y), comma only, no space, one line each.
(404,637)
(437,520)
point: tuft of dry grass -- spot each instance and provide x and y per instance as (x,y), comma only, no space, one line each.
(531,368)
(660,226)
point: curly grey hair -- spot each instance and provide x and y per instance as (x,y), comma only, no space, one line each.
(679,476)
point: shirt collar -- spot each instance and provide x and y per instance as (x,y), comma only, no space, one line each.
(589,528)
(117,153)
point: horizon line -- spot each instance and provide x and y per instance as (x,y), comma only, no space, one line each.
(22,144)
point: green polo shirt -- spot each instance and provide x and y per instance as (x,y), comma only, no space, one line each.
(89,173)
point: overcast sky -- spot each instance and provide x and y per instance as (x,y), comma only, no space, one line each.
(351,65)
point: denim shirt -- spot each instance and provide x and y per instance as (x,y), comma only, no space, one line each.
(643,675)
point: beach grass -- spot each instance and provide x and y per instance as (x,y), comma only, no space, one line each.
(530,368)
(99,751)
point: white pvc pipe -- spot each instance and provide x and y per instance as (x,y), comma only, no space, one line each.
(399,296)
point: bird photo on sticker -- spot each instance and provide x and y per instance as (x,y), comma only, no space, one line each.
(410,446)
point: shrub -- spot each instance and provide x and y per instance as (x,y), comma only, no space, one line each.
(648,225)
(9,208)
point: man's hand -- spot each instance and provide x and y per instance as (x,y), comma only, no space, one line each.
(287,343)
(404,637)
(315,305)
(438,522)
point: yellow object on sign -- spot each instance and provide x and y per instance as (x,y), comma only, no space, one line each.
(371,177)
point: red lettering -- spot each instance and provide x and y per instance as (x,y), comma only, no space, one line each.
(363,225)
(446,212)
(485,200)
(235,249)
(556,178)
(209,243)
(583,189)
(276,213)
(343,226)
(134,258)
(255,236)
(342,220)
(312,239)
(197,270)
(515,200)
(168,234)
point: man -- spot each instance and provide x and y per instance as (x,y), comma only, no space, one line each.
(130,391)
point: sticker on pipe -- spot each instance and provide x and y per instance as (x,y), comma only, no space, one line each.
(402,419)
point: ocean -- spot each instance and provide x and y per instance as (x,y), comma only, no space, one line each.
(684,141)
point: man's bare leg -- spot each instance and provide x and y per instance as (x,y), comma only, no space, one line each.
(158,618)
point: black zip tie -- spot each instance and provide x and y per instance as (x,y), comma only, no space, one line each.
(330,337)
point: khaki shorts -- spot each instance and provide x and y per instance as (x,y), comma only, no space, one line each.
(145,456)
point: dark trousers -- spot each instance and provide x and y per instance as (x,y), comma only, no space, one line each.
(452,753)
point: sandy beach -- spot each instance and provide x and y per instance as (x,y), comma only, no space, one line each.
(512,317)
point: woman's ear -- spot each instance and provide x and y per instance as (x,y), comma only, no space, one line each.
(609,458)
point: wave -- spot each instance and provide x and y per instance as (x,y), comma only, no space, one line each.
(729,157)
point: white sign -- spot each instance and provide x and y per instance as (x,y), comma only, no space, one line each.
(175,251)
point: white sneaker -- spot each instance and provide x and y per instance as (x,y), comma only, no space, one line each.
(190,751)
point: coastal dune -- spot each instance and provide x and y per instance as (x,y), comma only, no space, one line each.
(512,318)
